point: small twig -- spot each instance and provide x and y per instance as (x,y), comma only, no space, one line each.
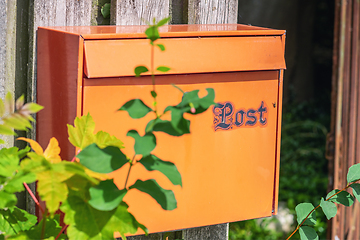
(131,164)
(62,230)
(43,225)
(33,197)
(347,186)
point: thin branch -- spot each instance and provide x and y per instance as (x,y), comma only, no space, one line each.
(62,230)
(33,197)
(131,164)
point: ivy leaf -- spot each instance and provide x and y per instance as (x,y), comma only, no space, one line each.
(165,198)
(136,108)
(163,69)
(82,134)
(356,190)
(100,160)
(151,163)
(166,127)
(14,220)
(163,22)
(98,224)
(161,46)
(152,33)
(308,233)
(104,139)
(343,197)
(328,208)
(302,210)
(354,173)
(105,10)
(139,70)
(106,196)
(143,145)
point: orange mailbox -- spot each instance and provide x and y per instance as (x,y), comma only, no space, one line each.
(229,163)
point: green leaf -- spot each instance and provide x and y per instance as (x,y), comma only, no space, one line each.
(6,130)
(136,108)
(14,220)
(161,46)
(153,94)
(7,199)
(178,122)
(143,145)
(15,184)
(98,224)
(163,21)
(152,33)
(139,70)
(9,161)
(183,127)
(163,69)
(82,135)
(169,169)
(2,108)
(356,190)
(308,233)
(165,198)
(100,160)
(104,139)
(105,10)
(328,208)
(31,108)
(17,122)
(106,196)
(343,197)
(354,173)
(52,229)
(302,210)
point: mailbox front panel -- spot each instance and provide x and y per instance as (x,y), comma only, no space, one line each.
(224,159)
(230,161)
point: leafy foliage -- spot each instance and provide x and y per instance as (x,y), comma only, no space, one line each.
(93,204)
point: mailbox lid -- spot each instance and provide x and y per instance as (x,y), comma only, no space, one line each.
(114,58)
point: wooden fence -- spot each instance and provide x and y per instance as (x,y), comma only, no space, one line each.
(344,138)
(21,18)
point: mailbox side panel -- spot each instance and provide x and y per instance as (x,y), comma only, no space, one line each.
(59,58)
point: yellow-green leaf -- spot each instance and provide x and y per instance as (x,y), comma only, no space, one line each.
(9,103)
(20,102)
(2,108)
(52,151)
(6,130)
(34,145)
(104,139)
(82,134)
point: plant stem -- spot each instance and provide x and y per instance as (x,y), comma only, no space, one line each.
(153,77)
(43,224)
(347,186)
(33,197)
(131,164)
(62,230)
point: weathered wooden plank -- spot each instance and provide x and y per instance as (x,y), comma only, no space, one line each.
(137,12)
(219,232)
(212,11)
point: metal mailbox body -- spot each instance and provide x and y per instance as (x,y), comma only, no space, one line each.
(229,163)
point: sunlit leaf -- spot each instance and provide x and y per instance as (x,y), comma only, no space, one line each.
(51,230)
(136,108)
(302,211)
(356,190)
(9,103)
(30,108)
(16,183)
(52,151)
(354,173)
(163,69)
(104,139)
(308,233)
(163,21)
(2,108)
(152,33)
(165,198)
(161,47)
(34,145)
(139,70)
(6,130)
(100,160)
(7,199)
(82,134)
(328,208)
(151,163)
(106,196)
(20,102)
(99,224)
(14,220)
(143,144)
(343,197)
